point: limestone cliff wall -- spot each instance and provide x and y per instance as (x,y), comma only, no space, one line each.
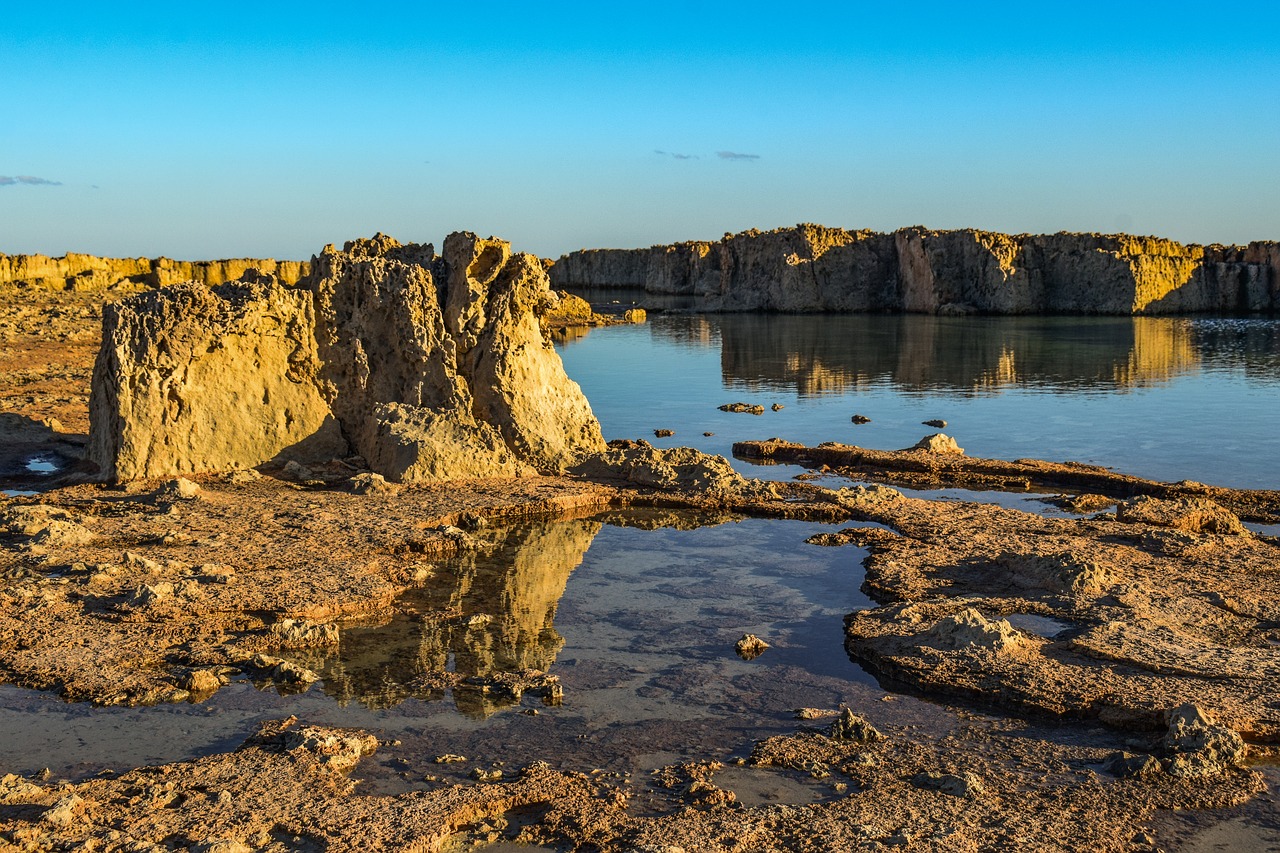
(814,268)
(88,272)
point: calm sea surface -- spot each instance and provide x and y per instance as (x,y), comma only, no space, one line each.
(1165,398)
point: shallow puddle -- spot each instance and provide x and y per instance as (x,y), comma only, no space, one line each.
(636,613)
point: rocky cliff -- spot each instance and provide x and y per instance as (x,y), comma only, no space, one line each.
(814,268)
(429,367)
(87,272)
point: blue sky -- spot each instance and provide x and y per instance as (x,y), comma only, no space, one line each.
(201,131)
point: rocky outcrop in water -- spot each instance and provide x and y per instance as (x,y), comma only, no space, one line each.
(431,368)
(815,268)
(88,272)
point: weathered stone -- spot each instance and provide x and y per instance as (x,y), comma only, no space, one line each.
(937,443)
(178,489)
(1197,746)
(970,628)
(679,469)
(1190,515)
(431,368)
(750,647)
(193,379)
(852,727)
(957,785)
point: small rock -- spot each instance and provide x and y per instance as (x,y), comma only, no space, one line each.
(743,408)
(851,727)
(634,315)
(708,434)
(148,595)
(63,534)
(936,423)
(750,647)
(371,484)
(970,628)
(860,419)
(963,785)
(201,682)
(1198,747)
(936,443)
(64,812)
(178,489)
(1128,765)
(296,472)
(241,478)
(664,433)
(777,407)
(482,775)
(450,758)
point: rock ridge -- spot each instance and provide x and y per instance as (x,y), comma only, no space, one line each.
(812,268)
(75,271)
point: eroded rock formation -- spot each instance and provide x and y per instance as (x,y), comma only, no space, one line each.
(431,368)
(815,268)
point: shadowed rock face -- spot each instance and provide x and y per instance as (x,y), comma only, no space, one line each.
(814,268)
(433,369)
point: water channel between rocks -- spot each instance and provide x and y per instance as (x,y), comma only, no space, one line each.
(636,612)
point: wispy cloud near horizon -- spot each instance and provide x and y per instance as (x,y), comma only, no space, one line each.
(675,156)
(734,155)
(11,180)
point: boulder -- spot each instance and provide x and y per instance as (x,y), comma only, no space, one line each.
(431,368)
(192,379)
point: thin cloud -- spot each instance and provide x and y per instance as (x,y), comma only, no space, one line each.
(8,181)
(734,155)
(674,155)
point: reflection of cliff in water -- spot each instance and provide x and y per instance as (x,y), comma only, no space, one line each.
(833,354)
(486,612)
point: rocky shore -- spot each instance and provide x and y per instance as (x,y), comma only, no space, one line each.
(815,268)
(1089,675)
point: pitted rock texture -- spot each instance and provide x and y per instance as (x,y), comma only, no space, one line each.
(192,379)
(815,268)
(431,368)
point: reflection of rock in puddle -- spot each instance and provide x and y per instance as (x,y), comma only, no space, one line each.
(483,628)
(755,786)
(1041,626)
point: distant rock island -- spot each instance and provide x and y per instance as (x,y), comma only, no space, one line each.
(812,268)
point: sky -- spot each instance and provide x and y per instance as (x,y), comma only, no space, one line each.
(198,130)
